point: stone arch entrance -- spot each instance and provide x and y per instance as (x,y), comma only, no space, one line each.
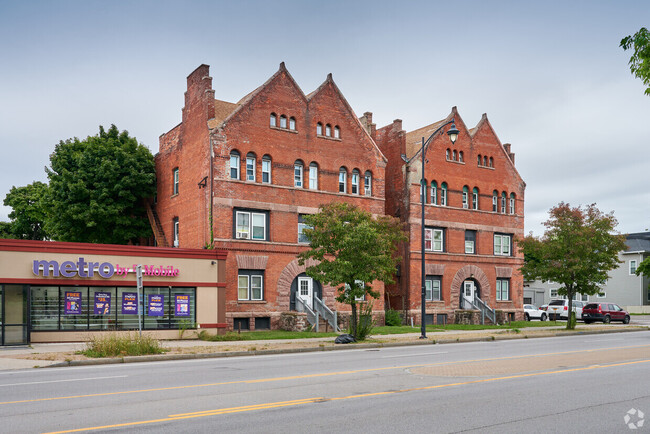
(469,272)
(288,278)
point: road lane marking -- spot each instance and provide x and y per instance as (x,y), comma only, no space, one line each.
(322,374)
(63,381)
(279,404)
(413,355)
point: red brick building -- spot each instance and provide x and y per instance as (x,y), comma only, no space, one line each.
(474,208)
(239,177)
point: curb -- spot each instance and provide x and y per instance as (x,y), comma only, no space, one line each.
(172,357)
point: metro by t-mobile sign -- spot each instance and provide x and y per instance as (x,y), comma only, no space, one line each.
(106,270)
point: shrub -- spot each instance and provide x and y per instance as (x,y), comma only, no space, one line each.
(366,321)
(393,318)
(115,345)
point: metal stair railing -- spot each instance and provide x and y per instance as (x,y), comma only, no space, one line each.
(326,313)
(312,317)
(485,310)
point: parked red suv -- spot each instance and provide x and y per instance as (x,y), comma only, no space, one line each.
(604,312)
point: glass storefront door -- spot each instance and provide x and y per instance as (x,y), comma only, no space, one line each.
(14,315)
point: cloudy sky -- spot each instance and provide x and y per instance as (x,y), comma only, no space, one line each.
(549,74)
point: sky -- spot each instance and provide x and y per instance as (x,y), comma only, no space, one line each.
(549,74)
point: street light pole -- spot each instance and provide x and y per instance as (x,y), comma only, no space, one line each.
(453,135)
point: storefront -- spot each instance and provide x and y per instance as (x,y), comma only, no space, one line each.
(62,292)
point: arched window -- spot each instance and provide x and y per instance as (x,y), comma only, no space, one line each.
(273,120)
(475,198)
(491,162)
(319,129)
(423,190)
(337,132)
(328,130)
(480,159)
(292,123)
(313,176)
(297,173)
(495,200)
(343,180)
(460,156)
(443,194)
(503,202)
(355,181)
(434,193)
(465,197)
(283,121)
(485,161)
(367,183)
(455,155)
(448,154)
(266,169)
(234,165)
(250,166)
(512,203)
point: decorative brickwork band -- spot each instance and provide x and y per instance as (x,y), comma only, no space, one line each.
(246,262)
(503,272)
(434,269)
(470,272)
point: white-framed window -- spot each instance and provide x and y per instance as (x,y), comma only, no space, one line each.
(584,297)
(250,167)
(250,225)
(443,194)
(283,121)
(297,174)
(502,244)
(337,132)
(465,197)
(503,202)
(432,288)
(512,203)
(361,284)
(503,289)
(313,176)
(480,160)
(292,124)
(460,156)
(470,241)
(355,182)
(319,129)
(434,193)
(632,267)
(234,165)
(367,183)
(553,293)
(176,230)
(302,238)
(434,239)
(448,154)
(266,169)
(175,189)
(423,190)
(273,120)
(250,285)
(328,130)
(343,180)
(495,200)
(475,198)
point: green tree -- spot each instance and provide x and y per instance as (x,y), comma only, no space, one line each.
(5,230)
(644,268)
(577,250)
(97,188)
(28,213)
(351,249)
(640,60)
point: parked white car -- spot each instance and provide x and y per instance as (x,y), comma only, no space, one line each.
(560,309)
(533,312)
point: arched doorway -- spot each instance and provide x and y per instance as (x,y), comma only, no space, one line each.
(470,289)
(305,288)
(474,274)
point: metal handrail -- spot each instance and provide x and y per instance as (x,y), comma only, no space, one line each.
(485,310)
(327,314)
(312,317)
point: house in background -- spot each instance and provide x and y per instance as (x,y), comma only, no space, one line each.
(623,287)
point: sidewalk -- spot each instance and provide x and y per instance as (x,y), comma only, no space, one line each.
(63,354)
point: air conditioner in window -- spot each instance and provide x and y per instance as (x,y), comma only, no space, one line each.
(465,206)
(175,244)
(242,235)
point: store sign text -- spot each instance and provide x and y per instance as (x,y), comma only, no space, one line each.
(106,270)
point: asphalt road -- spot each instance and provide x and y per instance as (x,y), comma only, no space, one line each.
(570,384)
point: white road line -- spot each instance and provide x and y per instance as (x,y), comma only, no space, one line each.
(63,381)
(414,355)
